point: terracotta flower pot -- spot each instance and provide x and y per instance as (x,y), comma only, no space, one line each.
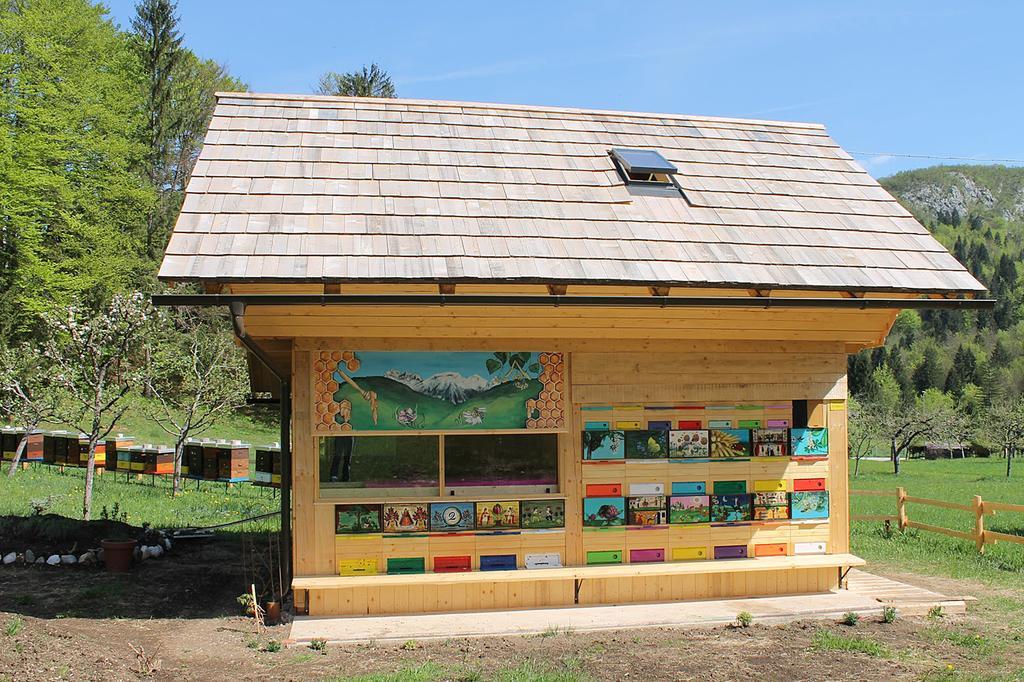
(272,612)
(118,555)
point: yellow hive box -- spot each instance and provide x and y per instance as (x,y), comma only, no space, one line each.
(689,553)
(770,485)
(364,547)
(357,566)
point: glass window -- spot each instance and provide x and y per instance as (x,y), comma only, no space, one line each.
(528,462)
(371,466)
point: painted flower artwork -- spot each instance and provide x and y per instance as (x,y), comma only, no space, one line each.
(810,505)
(810,442)
(602,512)
(689,444)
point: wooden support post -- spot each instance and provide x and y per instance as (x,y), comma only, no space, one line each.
(901,508)
(979,524)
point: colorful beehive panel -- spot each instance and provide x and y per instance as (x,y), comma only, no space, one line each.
(117,456)
(158,460)
(232,461)
(267,470)
(11,440)
(78,452)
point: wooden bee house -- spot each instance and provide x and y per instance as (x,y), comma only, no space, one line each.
(552,357)
(192,459)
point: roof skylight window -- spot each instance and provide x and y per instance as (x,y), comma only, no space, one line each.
(645,168)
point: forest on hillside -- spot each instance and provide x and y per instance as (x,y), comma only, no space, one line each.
(99,129)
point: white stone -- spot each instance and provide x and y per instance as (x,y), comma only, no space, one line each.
(10,557)
(40,561)
(156,551)
(87,558)
(53,560)
(30,556)
(68,559)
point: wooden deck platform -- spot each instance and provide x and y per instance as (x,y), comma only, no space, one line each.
(568,586)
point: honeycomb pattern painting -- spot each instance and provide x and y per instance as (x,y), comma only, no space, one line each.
(546,411)
(400,390)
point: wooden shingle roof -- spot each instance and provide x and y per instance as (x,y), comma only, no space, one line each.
(326,189)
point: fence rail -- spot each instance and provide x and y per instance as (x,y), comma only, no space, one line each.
(978,507)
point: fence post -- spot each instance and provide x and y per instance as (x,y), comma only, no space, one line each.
(901,508)
(979,524)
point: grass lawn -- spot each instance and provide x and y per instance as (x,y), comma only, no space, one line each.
(931,553)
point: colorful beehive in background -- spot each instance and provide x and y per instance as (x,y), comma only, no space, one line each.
(192,458)
(210,456)
(11,439)
(49,448)
(136,458)
(61,441)
(268,465)
(78,452)
(117,454)
(232,461)
(158,460)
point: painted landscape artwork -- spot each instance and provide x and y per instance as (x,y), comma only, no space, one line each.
(604,444)
(602,512)
(730,443)
(646,510)
(810,442)
(497,515)
(437,390)
(729,508)
(356,518)
(451,516)
(689,509)
(810,505)
(543,514)
(688,444)
(646,444)
(405,518)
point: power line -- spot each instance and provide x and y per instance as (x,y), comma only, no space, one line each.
(936,157)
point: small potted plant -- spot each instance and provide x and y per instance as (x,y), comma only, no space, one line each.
(118,554)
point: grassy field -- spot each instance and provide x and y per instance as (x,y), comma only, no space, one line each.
(930,553)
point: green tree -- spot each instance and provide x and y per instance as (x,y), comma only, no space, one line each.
(929,374)
(371,81)
(964,371)
(158,43)
(71,198)
(196,374)
(97,365)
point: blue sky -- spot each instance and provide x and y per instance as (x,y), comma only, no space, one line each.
(929,77)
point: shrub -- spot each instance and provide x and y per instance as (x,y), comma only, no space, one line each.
(744,619)
(850,618)
(888,614)
(272,646)
(935,613)
(14,626)
(319,644)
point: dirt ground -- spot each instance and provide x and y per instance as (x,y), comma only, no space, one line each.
(176,618)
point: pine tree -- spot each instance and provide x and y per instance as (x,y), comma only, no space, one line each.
(929,373)
(159,46)
(964,371)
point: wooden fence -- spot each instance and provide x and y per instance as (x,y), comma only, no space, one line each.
(978,507)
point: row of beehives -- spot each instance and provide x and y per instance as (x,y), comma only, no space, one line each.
(205,459)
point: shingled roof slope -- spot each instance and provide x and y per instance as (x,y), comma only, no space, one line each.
(307,188)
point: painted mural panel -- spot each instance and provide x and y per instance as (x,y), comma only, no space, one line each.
(396,391)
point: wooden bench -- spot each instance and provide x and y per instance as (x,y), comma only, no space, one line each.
(570,585)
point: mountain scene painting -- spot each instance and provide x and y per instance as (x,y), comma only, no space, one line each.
(436,390)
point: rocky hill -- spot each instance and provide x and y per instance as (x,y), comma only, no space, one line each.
(953,194)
